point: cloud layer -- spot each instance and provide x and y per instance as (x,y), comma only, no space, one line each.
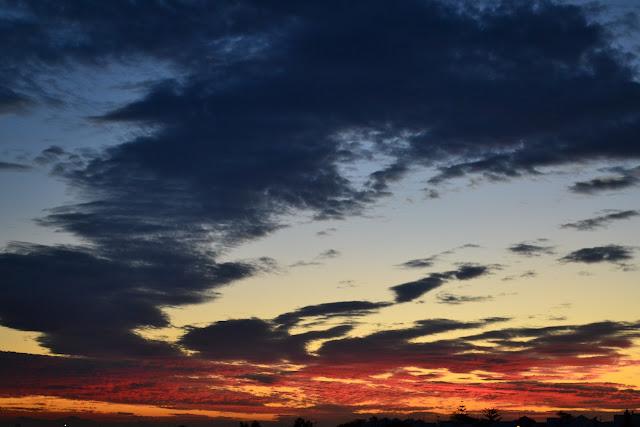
(266,108)
(389,371)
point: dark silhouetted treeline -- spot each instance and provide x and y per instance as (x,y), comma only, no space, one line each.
(489,417)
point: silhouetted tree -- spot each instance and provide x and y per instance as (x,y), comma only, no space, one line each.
(355,423)
(301,422)
(565,417)
(525,422)
(255,424)
(461,416)
(626,421)
(491,415)
(461,410)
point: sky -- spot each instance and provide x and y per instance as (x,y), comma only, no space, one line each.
(267,209)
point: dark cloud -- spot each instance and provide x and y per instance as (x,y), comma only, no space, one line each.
(446,298)
(328,310)
(491,132)
(411,290)
(384,344)
(565,339)
(624,178)
(13,167)
(268,379)
(469,271)
(604,184)
(513,352)
(253,340)
(601,220)
(57,36)
(531,249)
(87,302)
(597,254)
(169,382)
(307,147)
(418,263)
(379,181)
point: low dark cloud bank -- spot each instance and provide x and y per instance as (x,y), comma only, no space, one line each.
(273,100)
(515,357)
(254,340)
(599,338)
(383,347)
(87,302)
(513,351)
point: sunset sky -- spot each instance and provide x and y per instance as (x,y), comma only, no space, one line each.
(335,209)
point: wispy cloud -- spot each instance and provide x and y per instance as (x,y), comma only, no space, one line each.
(601,220)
